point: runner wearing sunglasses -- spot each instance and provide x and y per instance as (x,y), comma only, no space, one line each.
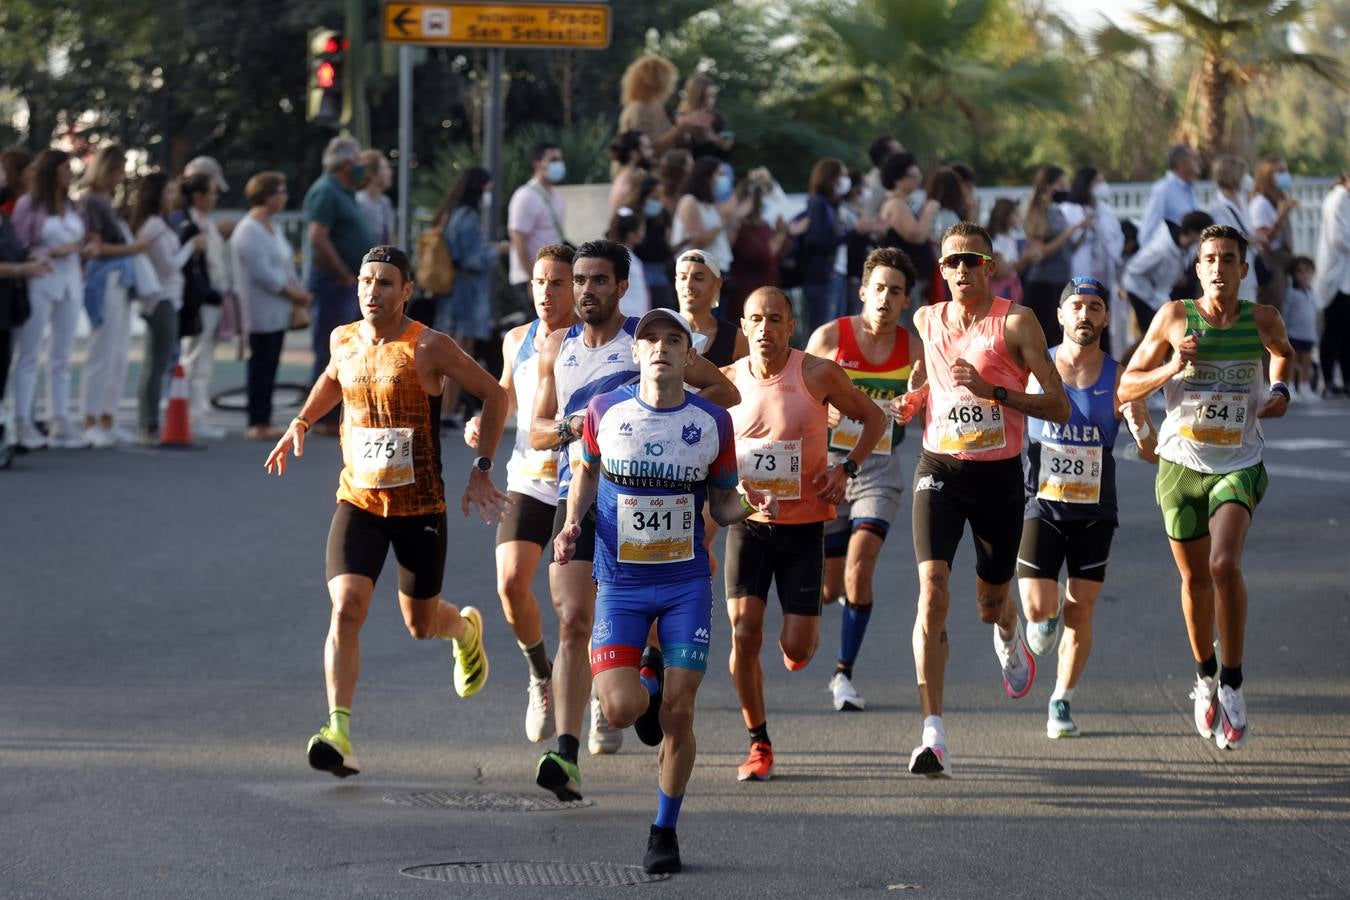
(972,380)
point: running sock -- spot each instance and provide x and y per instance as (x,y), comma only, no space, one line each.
(1062,692)
(844,669)
(1209,668)
(933,732)
(667,809)
(649,681)
(568,746)
(536,655)
(340,720)
(760,734)
(1231,677)
(851,634)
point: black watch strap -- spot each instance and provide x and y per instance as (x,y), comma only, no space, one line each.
(1000,394)
(850,468)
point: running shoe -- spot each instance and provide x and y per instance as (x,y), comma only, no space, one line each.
(330,751)
(603,739)
(30,438)
(930,761)
(759,765)
(557,774)
(1019,666)
(1060,722)
(648,725)
(471,662)
(1042,636)
(663,852)
(1231,732)
(1205,693)
(539,710)
(846,696)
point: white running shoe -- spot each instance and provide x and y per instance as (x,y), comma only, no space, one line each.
(30,438)
(1205,693)
(122,435)
(846,696)
(539,709)
(1231,731)
(602,739)
(1043,636)
(1019,666)
(930,761)
(94,436)
(208,432)
(1059,721)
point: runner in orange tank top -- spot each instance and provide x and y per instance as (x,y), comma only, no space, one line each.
(978,352)
(781,448)
(384,368)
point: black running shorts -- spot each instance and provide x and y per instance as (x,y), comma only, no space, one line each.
(359,541)
(526,519)
(759,554)
(586,541)
(950,492)
(1085,545)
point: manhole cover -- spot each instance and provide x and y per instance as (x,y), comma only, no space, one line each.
(541,874)
(484,802)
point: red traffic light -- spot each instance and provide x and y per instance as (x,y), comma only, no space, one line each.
(325,75)
(331,45)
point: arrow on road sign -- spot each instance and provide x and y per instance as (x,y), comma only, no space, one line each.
(401,20)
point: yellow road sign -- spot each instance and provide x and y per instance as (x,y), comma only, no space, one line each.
(580,26)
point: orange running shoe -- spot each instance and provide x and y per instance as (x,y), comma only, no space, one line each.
(759,765)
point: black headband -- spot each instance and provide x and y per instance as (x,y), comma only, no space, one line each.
(391,255)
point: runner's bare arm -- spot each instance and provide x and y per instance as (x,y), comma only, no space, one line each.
(325,395)
(580,497)
(510,346)
(726,508)
(711,382)
(544,430)
(1149,368)
(1026,344)
(832,385)
(1137,419)
(1270,326)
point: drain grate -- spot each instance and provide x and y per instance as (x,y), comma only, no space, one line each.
(534,873)
(490,802)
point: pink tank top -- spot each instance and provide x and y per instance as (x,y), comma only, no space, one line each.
(780,440)
(956,423)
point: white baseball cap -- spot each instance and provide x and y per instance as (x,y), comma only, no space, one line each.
(661,313)
(207,165)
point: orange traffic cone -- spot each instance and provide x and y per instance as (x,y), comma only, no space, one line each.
(177,431)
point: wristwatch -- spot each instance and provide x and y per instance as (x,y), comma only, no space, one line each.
(1001,394)
(483,464)
(850,467)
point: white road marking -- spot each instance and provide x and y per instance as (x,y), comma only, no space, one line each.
(1306,443)
(1332,475)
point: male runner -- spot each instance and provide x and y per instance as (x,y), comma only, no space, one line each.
(876,352)
(978,350)
(383,368)
(1071,495)
(781,449)
(653,454)
(592,357)
(1211,476)
(531,479)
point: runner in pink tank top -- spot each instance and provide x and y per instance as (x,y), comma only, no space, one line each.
(978,352)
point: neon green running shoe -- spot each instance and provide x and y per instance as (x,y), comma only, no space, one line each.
(557,774)
(471,662)
(330,751)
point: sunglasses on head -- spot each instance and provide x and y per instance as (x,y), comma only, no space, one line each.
(972,260)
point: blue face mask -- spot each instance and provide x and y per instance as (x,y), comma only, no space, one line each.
(721,188)
(1284,181)
(556,171)
(358,172)
(652,208)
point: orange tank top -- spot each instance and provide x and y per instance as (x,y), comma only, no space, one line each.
(391,449)
(956,422)
(781,440)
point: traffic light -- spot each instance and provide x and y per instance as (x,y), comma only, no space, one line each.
(327,60)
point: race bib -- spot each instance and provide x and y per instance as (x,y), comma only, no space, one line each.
(542,467)
(774,467)
(656,529)
(1070,474)
(380,458)
(845,435)
(1217,418)
(969,424)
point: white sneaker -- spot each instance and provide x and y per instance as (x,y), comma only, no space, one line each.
(1043,636)
(122,435)
(1019,666)
(539,709)
(603,739)
(61,435)
(30,438)
(1304,393)
(1231,731)
(846,696)
(208,432)
(1205,694)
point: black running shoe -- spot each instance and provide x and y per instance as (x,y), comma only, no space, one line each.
(663,852)
(648,725)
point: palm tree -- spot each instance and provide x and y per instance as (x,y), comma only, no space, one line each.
(1236,42)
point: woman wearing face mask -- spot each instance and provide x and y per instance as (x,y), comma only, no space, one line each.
(699,224)
(901,227)
(1269,210)
(653,248)
(1233,184)
(630,157)
(1098,250)
(818,247)
(1051,241)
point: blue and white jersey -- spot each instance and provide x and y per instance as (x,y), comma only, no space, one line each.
(531,472)
(1070,469)
(581,373)
(656,466)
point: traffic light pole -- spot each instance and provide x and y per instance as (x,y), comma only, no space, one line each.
(405,76)
(495,125)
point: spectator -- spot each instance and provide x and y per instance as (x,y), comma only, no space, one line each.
(630,157)
(1269,211)
(466,315)
(1149,275)
(857,242)
(156,195)
(270,288)
(818,247)
(627,228)
(1230,208)
(211,168)
(338,238)
(674,172)
(15,308)
(698,284)
(653,251)
(946,189)
(534,218)
(646,86)
(376,178)
(698,103)
(971,212)
(1173,195)
(1300,322)
(209,287)
(901,176)
(1005,219)
(15,162)
(698,221)
(1050,245)
(1332,285)
(1098,248)
(758,246)
(881,149)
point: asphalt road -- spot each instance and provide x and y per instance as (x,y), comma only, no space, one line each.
(160,671)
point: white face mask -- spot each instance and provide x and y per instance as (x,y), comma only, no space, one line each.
(1102,191)
(1246,184)
(843,186)
(487,199)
